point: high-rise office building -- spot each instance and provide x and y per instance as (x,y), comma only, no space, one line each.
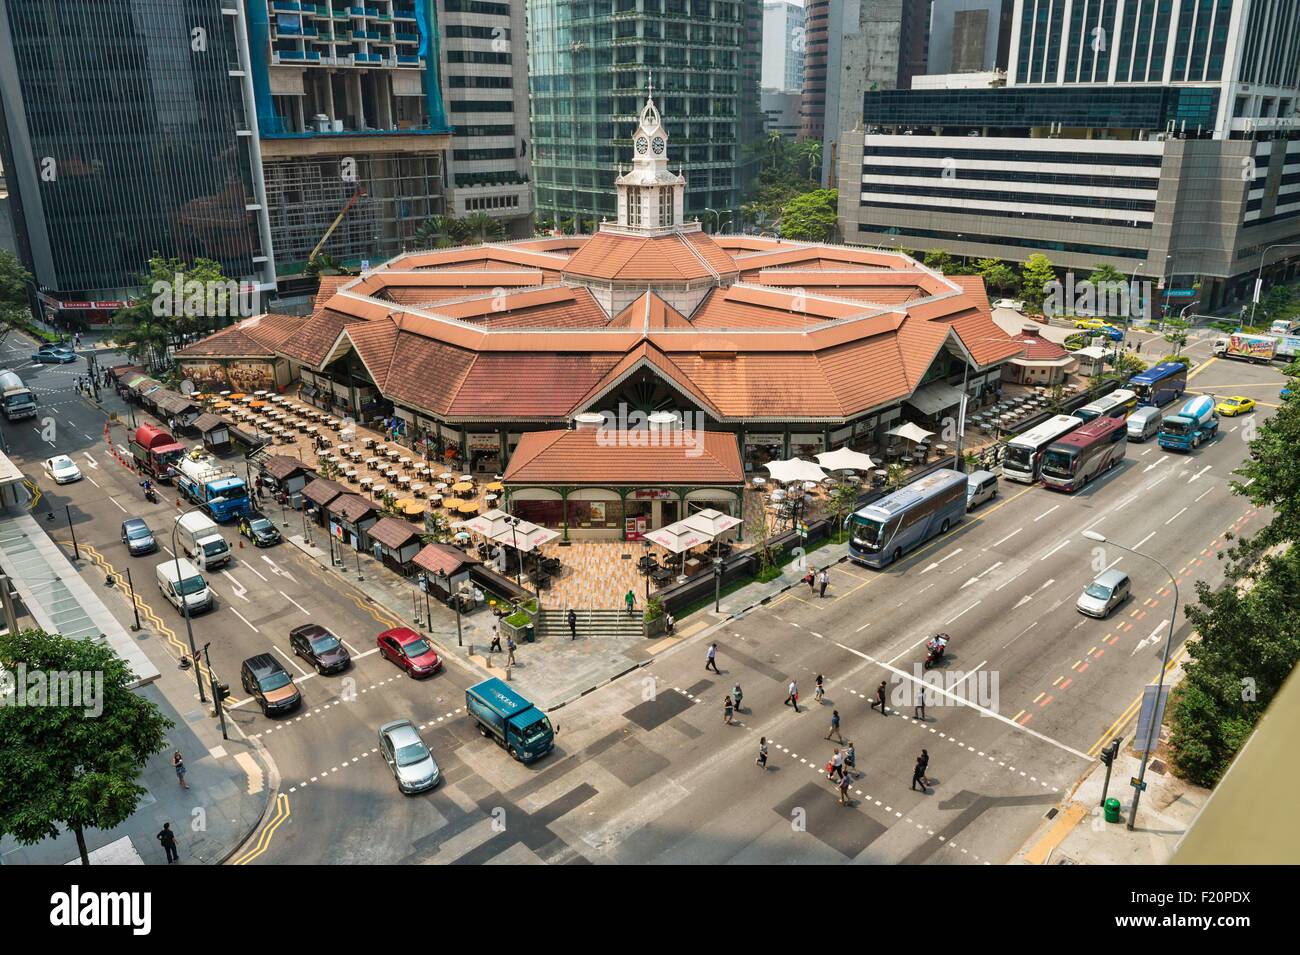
(128,129)
(485,74)
(1171,150)
(969,36)
(590,64)
(783,45)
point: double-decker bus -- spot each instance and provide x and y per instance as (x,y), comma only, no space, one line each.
(1072,461)
(1117,404)
(882,532)
(1024,453)
(1159,385)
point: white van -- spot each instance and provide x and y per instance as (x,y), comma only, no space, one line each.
(179,580)
(1144,423)
(200,540)
(981,486)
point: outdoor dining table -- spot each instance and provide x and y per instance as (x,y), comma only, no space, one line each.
(461,487)
(346,433)
(371,462)
(435,500)
(465,507)
(392,454)
(354,455)
(403,480)
(440,486)
(467,477)
(351,475)
(381,448)
(417,489)
(758,482)
(489,498)
(445,476)
(404,461)
(378,489)
(366,482)
(494,486)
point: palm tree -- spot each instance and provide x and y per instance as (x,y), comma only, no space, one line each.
(481,227)
(441,232)
(775,146)
(813,154)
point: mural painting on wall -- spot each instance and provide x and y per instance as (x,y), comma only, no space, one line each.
(235,376)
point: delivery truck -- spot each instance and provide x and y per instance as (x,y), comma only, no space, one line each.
(204,480)
(201,541)
(155,451)
(1196,421)
(19,402)
(517,726)
(1256,348)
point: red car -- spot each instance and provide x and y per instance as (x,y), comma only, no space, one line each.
(410,651)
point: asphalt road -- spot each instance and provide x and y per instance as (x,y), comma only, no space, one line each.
(645,770)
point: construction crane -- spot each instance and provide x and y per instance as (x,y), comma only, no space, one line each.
(361,191)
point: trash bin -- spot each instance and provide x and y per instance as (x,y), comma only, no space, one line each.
(530,634)
(1112,808)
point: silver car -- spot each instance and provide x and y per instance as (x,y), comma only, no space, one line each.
(1104,594)
(412,764)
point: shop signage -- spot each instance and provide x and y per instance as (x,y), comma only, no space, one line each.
(764,438)
(484,442)
(653,494)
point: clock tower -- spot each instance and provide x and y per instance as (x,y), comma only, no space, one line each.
(650,197)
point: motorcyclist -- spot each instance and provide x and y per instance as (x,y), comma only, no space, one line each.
(938,645)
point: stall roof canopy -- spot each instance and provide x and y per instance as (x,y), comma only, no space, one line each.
(394,533)
(594,456)
(935,397)
(173,402)
(910,432)
(281,466)
(350,507)
(443,559)
(210,422)
(322,490)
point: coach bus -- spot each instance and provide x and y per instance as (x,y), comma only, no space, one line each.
(1159,385)
(1077,458)
(882,532)
(1024,453)
(1117,404)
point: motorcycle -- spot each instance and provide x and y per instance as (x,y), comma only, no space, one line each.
(934,651)
(150,494)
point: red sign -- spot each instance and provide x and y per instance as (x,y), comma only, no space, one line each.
(653,494)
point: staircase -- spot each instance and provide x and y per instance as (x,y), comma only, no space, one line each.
(592,624)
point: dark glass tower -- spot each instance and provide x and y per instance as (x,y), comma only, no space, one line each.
(590,64)
(125,134)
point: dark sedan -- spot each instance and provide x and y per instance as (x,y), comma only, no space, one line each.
(320,648)
(137,537)
(260,530)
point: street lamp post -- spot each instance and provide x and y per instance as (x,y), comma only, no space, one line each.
(455,599)
(1259,275)
(428,611)
(1153,731)
(185,604)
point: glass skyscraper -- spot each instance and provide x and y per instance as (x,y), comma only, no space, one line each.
(124,134)
(590,65)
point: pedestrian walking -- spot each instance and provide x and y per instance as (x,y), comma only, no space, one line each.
(670,623)
(761,762)
(629,598)
(919,710)
(510,651)
(811,580)
(737,696)
(792,696)
(823,579)
(850,758)
(880,699)
(168,840)
(728,708)
(918,774)
(711,659)
(573,625)
(495,645)
(820,691)
(178,763)
(925,763)
(837,764)
(835,726)
(844,791)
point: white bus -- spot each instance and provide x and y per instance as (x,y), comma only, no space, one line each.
(1024,453)
(1117,404)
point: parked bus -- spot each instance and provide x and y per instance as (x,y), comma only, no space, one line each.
(1117,404)
(1024,453)
(1073,461)
(882,532)
(1160,385)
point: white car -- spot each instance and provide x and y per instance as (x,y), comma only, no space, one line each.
(62,469)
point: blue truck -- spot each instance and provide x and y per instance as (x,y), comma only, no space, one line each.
(1195,422)
(502,714)
(203,480)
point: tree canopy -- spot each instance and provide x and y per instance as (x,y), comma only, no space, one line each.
(811,216)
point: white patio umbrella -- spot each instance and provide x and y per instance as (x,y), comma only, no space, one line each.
(844,459)
(488,524)
(678,537)
(711,522)
(910,432)
(796,469)
(524,536)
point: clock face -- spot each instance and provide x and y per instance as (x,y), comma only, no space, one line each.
(641,145)
(658,145)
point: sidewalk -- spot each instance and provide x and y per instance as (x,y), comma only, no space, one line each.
(551,672)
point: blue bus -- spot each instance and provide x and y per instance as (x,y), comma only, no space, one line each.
(882,532)
(1160,385)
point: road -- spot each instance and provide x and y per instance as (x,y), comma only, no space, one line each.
(645,770)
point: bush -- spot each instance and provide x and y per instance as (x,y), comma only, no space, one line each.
(767,573)
(1182,358)
(654,609)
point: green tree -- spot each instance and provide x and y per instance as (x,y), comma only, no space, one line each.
(998,276)
(1176,331)
(70,767)
(775,148)
(181,301)
(481,227)
(1105,274)
(14,280)
(840,503)
(811,217)
(939,260)
(1271,474)
(439,232)
(437,528)
(325,265)
(1034,276)
(1126,364)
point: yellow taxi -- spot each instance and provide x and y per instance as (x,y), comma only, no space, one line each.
(1092,324)
(1230,407)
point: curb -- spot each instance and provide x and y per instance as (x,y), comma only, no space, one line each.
(591,689)
(272,794)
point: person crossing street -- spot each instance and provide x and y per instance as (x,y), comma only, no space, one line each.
(792,696)
(711,659)
(835,727)
(880,698)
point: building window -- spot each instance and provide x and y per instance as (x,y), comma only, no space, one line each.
(633,206)
(666,207)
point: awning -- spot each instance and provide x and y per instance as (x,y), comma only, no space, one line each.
(712,522)
(525,536)
(844,459)
(796,469)
(935,397)
(678,537)
(910,432)
(489,524)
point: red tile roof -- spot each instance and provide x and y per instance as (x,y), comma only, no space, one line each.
(392,532)
(593,456)
(443,559)
(351,507)
(1038,348)
(257,337)
(665,258)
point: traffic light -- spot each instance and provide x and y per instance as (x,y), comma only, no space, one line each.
(222,690)
(1110,752)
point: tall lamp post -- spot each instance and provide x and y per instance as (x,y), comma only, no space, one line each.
(1153,731)
(455,599)
(513,523)
(185,604)
(1259,275)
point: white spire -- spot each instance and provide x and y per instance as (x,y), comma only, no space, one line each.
(650,195)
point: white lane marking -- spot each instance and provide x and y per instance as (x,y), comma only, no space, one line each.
(1020,634)
(251,569)
(119,506)
(978,576)
(1144,540)
(861,628)
(275,569)
(1199,473)
(1159,461)
(239,589)
(1176,516)
(1008,537)
(941,560)
(91,461)
(963,702)
(1157,480)
(92,480)
(1203,493)
(295,603)
(290,659)
(351,649)
(971,607)
(1126,502)
(1147,641)
(1233,428)
(1147,451)
(1055,549)
(245,619)
(1011,579)
(1046,512)
(170,552)
(1022,601)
